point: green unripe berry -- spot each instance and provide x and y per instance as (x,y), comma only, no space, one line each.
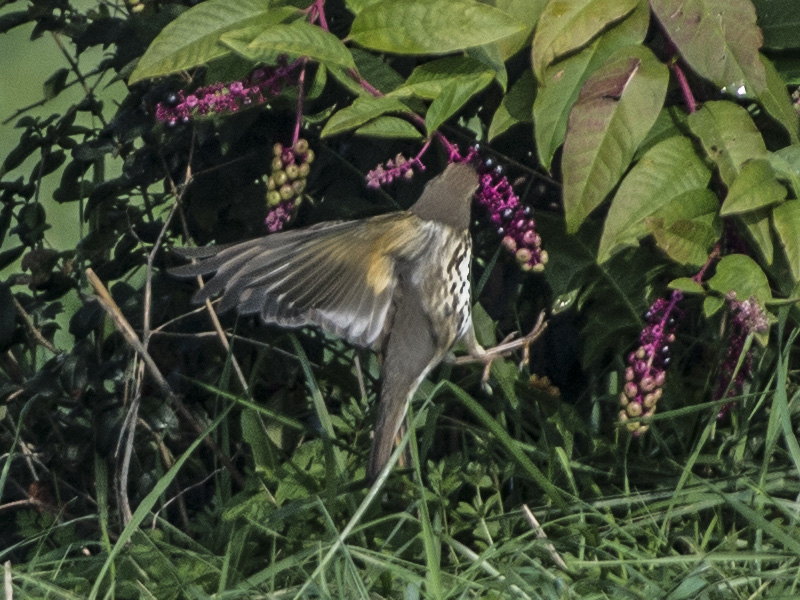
(273,198)
(277,163)
(280,178)
(303,170)
(293,171)
(301,146)
(277,149)
(286,191)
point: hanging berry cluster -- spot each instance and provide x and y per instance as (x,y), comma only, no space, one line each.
(290,168)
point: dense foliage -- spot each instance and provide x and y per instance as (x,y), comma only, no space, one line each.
(643,189)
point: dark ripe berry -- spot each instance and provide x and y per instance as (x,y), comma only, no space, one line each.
(501,231)
(508,213)
(301,146)
(488,164)
(185,119)
(280,178)
(293,171)
(671,322)
(498,170)
(666,361)
(527,210)
(277,150)
(665,350)
(277,164)
(648,315)
(172,100)
(286,191)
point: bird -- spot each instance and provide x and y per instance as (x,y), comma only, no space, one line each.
(397,283)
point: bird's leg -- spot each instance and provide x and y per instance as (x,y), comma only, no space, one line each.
(504,348)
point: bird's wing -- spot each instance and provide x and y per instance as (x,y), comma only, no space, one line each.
(339,276)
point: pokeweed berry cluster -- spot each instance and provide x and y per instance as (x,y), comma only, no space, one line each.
(646,370)
(399,167)
(257,88)
(287,180)
(513,220)
(747,317)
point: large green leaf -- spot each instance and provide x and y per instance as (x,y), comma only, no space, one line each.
(362,110)
(516,106)
(776,101)
(779,21)
(193,38)
(786,163)
(754,187)
(389,127)
(561,83)
(786,220)
(667,171)
(757,223)
(450,82)
(565,27)
(296,39)
(686,241)
(728,135)
(430,26)
(616,108)
(526,12)
(741,274)
(719,39)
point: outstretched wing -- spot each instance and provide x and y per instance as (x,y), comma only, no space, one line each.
(339,276)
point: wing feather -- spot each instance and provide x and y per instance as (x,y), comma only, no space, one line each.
(339,276)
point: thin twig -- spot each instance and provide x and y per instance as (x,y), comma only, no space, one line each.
(537,529)
(122,325)
(37,335)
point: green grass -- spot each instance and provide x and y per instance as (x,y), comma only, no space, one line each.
(694,509)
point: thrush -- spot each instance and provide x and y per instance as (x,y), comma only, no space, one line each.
(397,283)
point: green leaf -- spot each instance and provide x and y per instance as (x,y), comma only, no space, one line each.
(687,285)
(54,84)
(667,171)
(686,241)
(526,12)
(430,26)
(754,187)
(561,84)
(786,163)
(779,21)
(712,304)
(719,39)
(193,38)
(786,220)
(728,135)
(616,108)
(297,39)
(389,127)
(362,110)
(516,106)
(777,103)
(758,227)
(741,274)
(565,27)
(450,82)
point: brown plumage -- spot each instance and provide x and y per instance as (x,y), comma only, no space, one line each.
(396,283)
